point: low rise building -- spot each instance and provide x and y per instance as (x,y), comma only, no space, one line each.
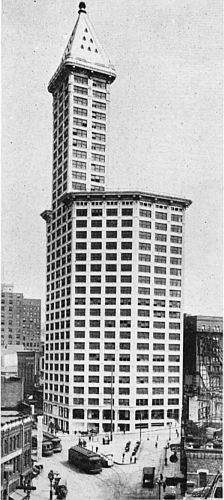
(15,452)
(202,466)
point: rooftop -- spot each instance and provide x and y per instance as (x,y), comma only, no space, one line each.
(84,50)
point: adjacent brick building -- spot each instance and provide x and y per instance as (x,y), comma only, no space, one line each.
(20,319)
(12,392)
(15,451)
(202,368)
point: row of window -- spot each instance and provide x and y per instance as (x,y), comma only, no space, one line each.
(113,212)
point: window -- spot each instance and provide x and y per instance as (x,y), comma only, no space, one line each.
(176,250)
(158,402)
(174,358)
(111,223)
(176,239)
(158,380)
(142,347)
(142,380)
(174,326)
(144,246)
(173,401)
(144,213)
(157,390)
(174,347)
(127,211)
(175,261)
(161,215)
(144,291)
(160,227)
(143,235)
(158,357)
(176,218)
(111,234)
(174,336)
(158,347)
(126,223)
(159,270)
(176,229)
(173,390)
(173,380)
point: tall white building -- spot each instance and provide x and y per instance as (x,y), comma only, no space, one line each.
(113,349)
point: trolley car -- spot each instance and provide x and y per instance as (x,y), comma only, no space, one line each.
(85,459)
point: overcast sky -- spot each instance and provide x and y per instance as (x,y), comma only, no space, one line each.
(165,124)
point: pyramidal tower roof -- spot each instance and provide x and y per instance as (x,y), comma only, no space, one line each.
(84,49)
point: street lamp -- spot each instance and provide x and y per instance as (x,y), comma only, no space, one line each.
(169,432)
(51,477)
(159,482)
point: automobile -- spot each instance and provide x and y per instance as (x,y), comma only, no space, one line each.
(35,470)
(170,492)
(38,467)
(127,446)
(175,447)
(107,460)
(200,492)
(106,439)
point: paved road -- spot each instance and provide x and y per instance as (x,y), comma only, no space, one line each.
(120,482)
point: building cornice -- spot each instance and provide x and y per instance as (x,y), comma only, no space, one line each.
(69,66)
(68,198)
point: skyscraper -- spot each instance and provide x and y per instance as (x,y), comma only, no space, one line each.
(113,349)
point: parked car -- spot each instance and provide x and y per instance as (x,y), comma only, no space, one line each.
(107,460)
(170,492)
(127,446)
(106,439)
(200,492)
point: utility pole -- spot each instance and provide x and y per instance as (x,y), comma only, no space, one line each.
(111,407)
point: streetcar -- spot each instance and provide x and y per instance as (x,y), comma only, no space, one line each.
(56,442)
(47,446)
(85,459)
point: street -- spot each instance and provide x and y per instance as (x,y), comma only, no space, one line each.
(120,482)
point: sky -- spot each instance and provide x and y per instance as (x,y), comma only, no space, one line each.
(165,124)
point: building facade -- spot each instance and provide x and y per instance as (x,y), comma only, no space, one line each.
(20,319)
(28,370)
(12,392)
(203,372)
(113,347)
(15,452)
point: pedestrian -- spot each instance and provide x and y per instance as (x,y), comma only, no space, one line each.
(156,444)
(96,449)
(164,485)
(89,438)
